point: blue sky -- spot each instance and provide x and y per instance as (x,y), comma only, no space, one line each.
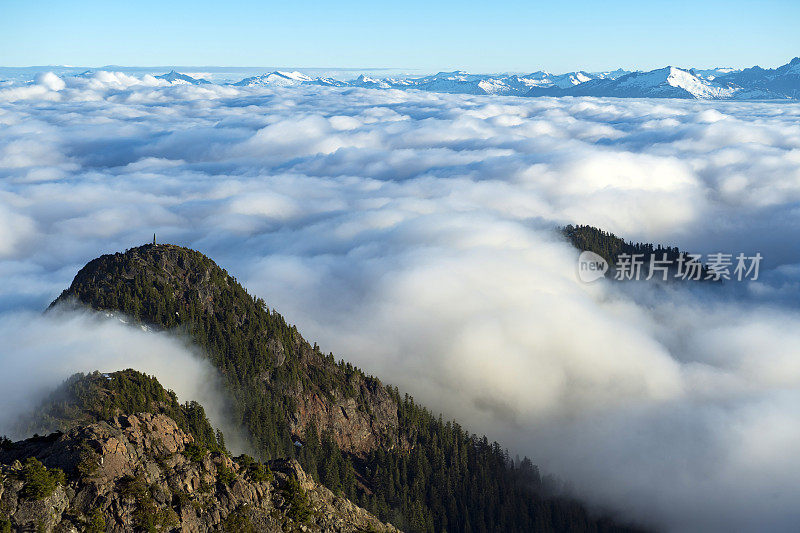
(426,35)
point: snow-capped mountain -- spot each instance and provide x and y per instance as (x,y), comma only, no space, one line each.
(512,85)
(287,79)
(330,82)
(458,82)
(571,79)
(176,77)
(370,83)
(277,79)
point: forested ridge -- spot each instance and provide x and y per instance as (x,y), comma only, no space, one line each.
(610,247)
(386,452)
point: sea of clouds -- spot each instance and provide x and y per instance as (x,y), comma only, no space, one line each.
(414,235)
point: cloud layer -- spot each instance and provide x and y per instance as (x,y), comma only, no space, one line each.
(412,233)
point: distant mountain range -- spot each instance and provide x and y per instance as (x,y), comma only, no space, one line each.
(754,83)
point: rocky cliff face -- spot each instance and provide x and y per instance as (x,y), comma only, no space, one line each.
(143,472)
(355,429)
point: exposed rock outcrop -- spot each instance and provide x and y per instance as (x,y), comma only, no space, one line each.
(143,472)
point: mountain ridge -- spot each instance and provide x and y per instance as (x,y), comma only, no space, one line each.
(357,436)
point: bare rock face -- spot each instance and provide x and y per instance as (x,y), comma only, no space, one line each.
(142,472)
(355,427)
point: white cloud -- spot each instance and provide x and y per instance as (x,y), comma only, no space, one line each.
(412,233)
(50,80)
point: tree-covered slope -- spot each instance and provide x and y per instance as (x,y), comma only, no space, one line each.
(358,437)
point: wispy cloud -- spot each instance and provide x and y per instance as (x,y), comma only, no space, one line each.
(41,351)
